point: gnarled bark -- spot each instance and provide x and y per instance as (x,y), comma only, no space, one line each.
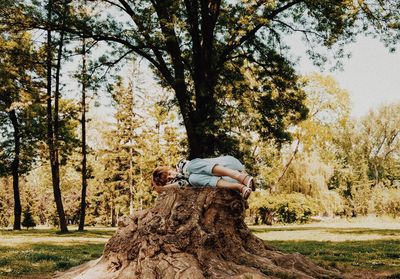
(194,233)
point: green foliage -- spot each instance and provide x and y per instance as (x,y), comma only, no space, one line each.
(5,202)
(285,208)
(228,69)
(385,201)
(144,136)
(216,57)
(20,97)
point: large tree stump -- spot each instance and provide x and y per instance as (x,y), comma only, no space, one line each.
(194,233)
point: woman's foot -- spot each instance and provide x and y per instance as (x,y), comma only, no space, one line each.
(248,181)
(246,191)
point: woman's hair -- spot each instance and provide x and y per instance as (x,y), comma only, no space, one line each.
(160,175)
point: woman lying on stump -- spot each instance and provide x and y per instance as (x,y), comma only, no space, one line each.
(224,172)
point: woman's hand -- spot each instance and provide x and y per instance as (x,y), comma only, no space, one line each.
(160,189)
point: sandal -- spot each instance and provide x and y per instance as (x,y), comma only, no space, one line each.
(246,191)
(249,183)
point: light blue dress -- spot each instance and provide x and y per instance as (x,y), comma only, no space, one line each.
(200,174)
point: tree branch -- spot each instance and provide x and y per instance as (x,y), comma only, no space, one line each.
(156,49)
(231,47)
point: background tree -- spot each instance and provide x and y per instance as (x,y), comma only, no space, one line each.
(20,111)
(57,11)
(28,220)
(84,84)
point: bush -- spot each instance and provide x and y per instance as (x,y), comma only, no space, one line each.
(28,221)
(386,201)
(285,208)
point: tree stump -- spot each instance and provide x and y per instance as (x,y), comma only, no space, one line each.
(194,233)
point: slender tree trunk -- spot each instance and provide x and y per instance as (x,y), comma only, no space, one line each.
(15,171)
(83,121)
(52,135)
(130,176)
(131,162)
(113,218)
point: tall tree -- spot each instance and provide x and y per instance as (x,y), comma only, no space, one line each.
(83,127)
(119,157)
(52,118)
(19,102)
(198,48)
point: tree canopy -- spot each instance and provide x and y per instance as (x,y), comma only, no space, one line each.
(206,50)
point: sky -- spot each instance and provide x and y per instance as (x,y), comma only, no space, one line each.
(371,75)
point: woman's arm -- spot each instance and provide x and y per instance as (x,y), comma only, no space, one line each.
(160,189)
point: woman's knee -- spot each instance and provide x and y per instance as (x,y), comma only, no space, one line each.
(233,163)
(202,180)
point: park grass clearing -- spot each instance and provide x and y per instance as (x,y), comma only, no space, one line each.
(38,253)
(382,255)
(342,244)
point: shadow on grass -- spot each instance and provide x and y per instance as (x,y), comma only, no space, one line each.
(36,259)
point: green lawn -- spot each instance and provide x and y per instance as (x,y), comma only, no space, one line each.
(41,252)
(375,254)
(346,246)
(38,253)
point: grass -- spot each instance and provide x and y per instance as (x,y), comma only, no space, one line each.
(40,252)
(376,254)
(343,246)
(45,259)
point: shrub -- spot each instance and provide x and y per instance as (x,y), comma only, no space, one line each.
(386,201)
(285,208)
(28,221)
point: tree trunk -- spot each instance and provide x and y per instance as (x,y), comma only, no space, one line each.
(199,124)
(206,116)
(15,171)
(83,121)
(113,214)
(194,233)
(52,134)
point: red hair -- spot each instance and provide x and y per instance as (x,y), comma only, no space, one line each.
(160,176)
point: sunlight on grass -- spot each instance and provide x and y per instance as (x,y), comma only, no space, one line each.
(41,252)
(44,251)
(42,258)
(52,236)
(342,244)
(380,254)
(342,230)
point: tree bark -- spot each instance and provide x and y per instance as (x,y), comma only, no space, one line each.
(194,233)
(83,122)
(15,171)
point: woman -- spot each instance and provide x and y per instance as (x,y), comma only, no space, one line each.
(223,172)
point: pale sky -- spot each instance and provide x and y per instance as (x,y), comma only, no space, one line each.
(371,75)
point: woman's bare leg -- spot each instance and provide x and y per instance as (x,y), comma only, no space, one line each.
(224,171)
(243,190)
(229,185)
